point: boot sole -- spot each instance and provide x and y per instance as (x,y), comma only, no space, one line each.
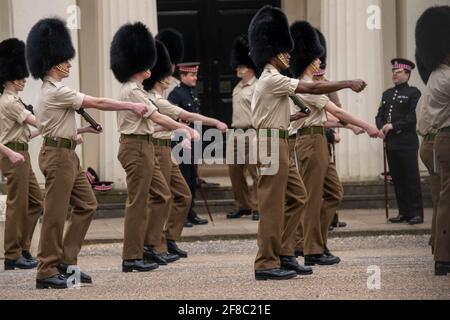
(312,264)
(440,273)
(19,268)
(262,278)
(131,269)
(41,286)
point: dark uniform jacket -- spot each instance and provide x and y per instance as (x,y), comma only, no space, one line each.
(398,107)
(186,98)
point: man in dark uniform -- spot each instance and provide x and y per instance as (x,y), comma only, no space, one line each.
(186,97)
(397,119)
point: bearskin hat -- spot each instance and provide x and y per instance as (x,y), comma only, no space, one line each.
(162,68)
(13,65)
(174,42)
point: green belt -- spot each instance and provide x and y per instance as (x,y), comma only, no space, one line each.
(293,137)
(146,137)
(445,129)
(162,142)
(17,146)
(430,137)
(273,133)
(243,129)
(311,131)
(60,143)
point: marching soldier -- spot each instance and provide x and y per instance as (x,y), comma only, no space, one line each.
(185,96)
(174,42)
(318,173)
(133,54)
(282,194)
(165,229)
(396,118)
(433,53)
(49,49)
(246,201)
(24,203)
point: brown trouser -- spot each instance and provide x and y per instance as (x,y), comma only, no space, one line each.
(65,183)
(161,201)
(442,236)
(427,156)
(24,206)
(315,168)
(281,200)
(245,200)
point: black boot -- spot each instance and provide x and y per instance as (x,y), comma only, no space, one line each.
(84,277)
(56,282)
(138,265)
(238,214)
(291,263)
(255,216)
(151,256)
(173,248)
(27,255)
(441,268)
(321,260)
(399,219)
(20,263)
(169,257)
(274,274)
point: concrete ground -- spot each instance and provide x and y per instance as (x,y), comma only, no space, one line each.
(224,270)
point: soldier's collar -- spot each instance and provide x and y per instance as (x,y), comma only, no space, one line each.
(6,91)
(138,84)
(182,84)
(403,85)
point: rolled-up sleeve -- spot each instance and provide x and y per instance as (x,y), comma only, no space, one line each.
(69,98)
(282,86)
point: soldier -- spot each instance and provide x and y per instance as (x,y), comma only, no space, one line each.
(24,203)
(165,228)
(49,49)
(246,201)
(396,118)
(318,172)
(282,195)
(433,50)
(185,96)
(174,42)
(133,54)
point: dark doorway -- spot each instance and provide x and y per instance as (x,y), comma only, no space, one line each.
(209,28)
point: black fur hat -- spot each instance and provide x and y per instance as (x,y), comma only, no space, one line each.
(433,37)
(323,42)
(269,35)
(132,51)
(162,68)
(423,71)
(307,47)
(240,54)
(48,44)
(174,42)
(13,65)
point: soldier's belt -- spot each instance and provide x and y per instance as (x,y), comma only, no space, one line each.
(162,142)
(273,133)
(445,129)
(430,137)
(60,143)
(146,137)
(17,146)
(311,131)
(293,137)
(243,129)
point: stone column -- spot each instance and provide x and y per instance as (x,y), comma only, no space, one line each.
(355,51)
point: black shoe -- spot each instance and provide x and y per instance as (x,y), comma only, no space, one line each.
(169,257)
(151,256)
(27,255)
(291,263)
(56,282)
(20,263)
(84,278)
(415,220)
(399,219)
(188,224)
(299,254)
(328,253)
(255,216)
(274,274)
(321,260)
(238,214)
(173,248)
(138,265)
(197,221)
(441,268)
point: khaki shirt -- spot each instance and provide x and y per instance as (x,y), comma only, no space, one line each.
(270,104)
(127,121)
(12,119)
(438,99)
(424,118)
(167,109)
(174,82)
(55,112)
(242,104)
(317,104)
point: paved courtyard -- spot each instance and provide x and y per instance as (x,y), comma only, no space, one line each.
(224,270)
